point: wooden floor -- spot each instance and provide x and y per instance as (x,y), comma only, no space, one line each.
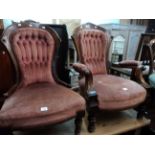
(108,123)
(117,123)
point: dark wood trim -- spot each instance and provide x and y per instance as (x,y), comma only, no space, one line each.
(78,122)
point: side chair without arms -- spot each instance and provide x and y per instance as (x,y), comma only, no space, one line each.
(105,92)
(38,98)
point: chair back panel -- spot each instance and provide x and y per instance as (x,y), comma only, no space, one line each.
(33,49)
(92,45)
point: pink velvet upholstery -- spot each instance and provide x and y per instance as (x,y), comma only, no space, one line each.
(93,45)
(34,49)
(38,99)
(115,93)
(23,108)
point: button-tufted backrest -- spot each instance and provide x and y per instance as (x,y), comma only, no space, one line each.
(92,45)
(33,49)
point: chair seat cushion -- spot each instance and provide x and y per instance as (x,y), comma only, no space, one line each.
(40,104)
(152,80)
(116,93)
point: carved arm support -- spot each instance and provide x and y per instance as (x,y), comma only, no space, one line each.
(84,71)
(90,93)
(127,64)
(137,69)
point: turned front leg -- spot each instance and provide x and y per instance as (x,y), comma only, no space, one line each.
(78,122)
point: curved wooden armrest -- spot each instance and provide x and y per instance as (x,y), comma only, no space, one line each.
(127,64)
(137,69)
(138,74)
(84,71)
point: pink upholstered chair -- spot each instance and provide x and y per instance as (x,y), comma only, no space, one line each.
(112,92)
(38,98)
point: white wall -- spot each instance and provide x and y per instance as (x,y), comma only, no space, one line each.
(100,21)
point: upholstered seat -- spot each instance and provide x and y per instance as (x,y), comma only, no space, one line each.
(40,97)
(112,93)
(129,93)
(37,101)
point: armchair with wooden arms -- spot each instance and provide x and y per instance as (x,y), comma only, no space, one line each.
(150,79)
(106,92)
(38,98)
(142,69)
(141,61)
